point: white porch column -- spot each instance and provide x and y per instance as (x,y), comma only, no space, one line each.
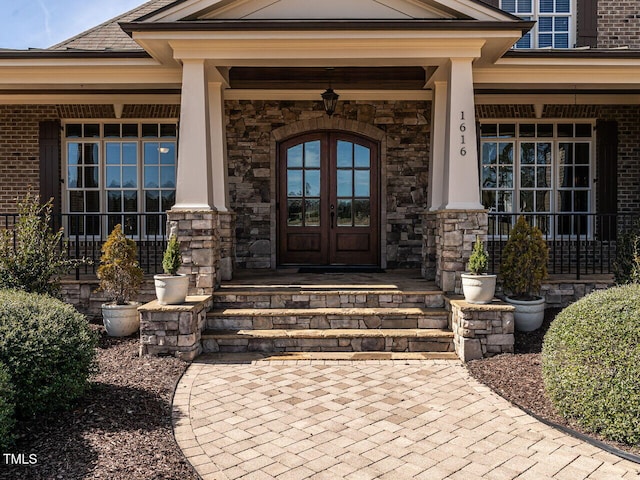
(194,189)
(461,179)
(435,201)
(218,146)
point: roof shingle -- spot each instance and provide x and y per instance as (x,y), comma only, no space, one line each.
(109,35)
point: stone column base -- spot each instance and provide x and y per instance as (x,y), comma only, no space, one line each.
(454,232)
(174,330)
(481,330)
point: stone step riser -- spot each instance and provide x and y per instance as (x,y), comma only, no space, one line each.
(324,322)
(329,300)
(388,344)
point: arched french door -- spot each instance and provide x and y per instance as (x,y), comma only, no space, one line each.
(328,200)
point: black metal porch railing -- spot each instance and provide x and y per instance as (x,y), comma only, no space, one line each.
(579,243)
(85,233)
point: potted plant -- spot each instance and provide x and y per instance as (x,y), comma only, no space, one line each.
(120,279)
(524,267)
(477,285)
(171,287)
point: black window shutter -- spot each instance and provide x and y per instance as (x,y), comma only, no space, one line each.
(587,20)
(50,163)
(607,175)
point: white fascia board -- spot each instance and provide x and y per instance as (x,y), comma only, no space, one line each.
(558,99)
(558,76)
(473,10)
(70,75)
(88,99)
(183,10)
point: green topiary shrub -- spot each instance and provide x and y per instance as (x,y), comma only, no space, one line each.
(479,259)
(172,260)
(35,258)
(590,363)
(48,348)
(626,266)
(524,261)
(7,408)
(119,273)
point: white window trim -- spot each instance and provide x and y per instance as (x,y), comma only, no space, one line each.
(102,189)
(573,25)
(555,165)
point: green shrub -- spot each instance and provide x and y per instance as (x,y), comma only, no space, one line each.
(48,349)
(119,273)
(172,260)
(626,266)
(35,258)
(7,408)
(524,261)
(590,363)
(479,259)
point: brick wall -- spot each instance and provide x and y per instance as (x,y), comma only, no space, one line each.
(250,155)
(618,23)
(19,149)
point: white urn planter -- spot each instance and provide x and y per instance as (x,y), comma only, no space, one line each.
(171,289)
(529,314)
(478,288)
(120,320)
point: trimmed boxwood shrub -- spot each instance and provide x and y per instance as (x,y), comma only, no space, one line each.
(48,349)
(7,408)
(591,363)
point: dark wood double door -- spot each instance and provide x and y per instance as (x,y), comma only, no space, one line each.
(328,200)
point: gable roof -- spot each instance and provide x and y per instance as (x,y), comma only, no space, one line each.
(109,35)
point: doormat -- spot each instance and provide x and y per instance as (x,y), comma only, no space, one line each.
(341,269)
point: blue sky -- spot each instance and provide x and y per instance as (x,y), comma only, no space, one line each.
(42,23)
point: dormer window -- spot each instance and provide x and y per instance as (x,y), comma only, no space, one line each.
(555,20)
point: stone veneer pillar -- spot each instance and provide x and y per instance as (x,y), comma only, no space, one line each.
(227,236)
(199,237)
(447,244)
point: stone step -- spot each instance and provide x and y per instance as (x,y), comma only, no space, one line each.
(325,296)
(327,318)
(249,357)
(328,340)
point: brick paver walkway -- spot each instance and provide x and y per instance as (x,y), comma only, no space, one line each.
(370,419)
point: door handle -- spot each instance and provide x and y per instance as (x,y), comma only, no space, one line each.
(333,214)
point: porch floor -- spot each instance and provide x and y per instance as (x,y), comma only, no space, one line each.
(399,280)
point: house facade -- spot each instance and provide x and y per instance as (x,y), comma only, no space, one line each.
(452,118)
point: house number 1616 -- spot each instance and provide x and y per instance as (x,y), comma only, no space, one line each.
(463,128)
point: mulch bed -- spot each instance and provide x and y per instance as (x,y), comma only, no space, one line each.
(121,429)
(518,378)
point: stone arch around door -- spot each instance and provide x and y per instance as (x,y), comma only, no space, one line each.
(337,125)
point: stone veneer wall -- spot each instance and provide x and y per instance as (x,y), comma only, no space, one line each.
(449,235)
(628,118)
(481,330)
(251,154)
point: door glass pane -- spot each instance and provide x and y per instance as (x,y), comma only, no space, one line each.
(91,177)
(151,201)
(294,213)
(543,201)
(312,213)
(544,153)
(129,177)
(544,177)
(93,201)
(344,213)
(345,154)
(362,156)
(91,154)
(345,183)
(489,177)
(151,153)
(489,155)
(526,201)
(167,153)
(527,177)
(312,154)
(505,179)
(130,199)
(168,177)
(168,199)
(294,183)
(505,152)
(362,213)
(312,183)
(72,177)
(294,156)
(129,153)
(74,153)
(362,181)
(151,177)
(113,153)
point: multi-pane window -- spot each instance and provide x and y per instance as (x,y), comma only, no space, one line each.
(303,184)
(121,170)
(353,184)
(554,22)
(538,169)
